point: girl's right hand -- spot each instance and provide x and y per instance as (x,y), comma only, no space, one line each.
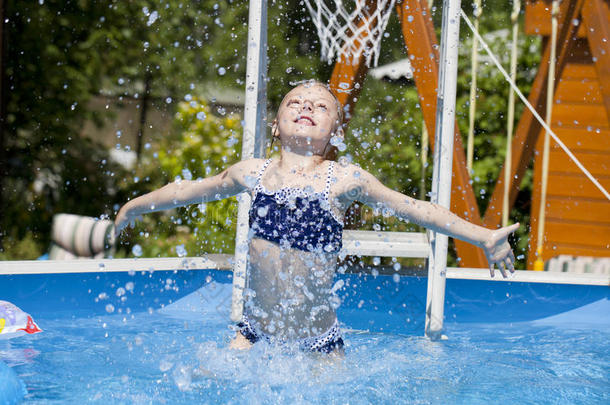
(124,218)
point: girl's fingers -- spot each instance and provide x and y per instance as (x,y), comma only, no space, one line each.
(502,269)
(509,265)
(491,270)
(512,256)
(504,232)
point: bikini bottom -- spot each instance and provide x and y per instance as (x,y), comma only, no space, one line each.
(324,343)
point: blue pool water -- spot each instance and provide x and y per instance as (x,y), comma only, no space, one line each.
(161,338)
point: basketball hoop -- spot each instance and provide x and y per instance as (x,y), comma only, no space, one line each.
(350,34)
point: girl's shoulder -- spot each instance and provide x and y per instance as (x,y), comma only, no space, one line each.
(246,170)
(253,165)
(349,172)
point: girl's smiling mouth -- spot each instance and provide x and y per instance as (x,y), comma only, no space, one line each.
(305,120)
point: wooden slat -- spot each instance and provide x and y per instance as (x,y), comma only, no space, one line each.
(572,115)
(579,71)
(560,208)
(570,233)
(583,139)
(576,185)
(538,18)
(596,16)
(578,91)
(593,251)
(596,163)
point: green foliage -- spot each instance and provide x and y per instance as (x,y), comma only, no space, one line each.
(200,145)
(25,248)
(49,82)
(173,50)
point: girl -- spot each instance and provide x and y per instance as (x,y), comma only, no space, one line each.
(296,222)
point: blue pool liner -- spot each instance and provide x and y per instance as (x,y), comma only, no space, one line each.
(375,303)
(12,389)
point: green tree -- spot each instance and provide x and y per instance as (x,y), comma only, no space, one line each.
(200,145)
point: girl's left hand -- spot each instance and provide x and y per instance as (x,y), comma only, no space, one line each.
(498,250)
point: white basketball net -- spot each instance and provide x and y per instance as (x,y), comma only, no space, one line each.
(350,34)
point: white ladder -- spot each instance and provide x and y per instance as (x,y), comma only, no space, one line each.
(386,244)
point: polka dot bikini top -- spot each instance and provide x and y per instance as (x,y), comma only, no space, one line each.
(296,217)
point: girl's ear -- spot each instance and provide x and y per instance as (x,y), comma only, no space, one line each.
(274,129)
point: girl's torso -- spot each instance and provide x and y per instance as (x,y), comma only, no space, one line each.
(295,236)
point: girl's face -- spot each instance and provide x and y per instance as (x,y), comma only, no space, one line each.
(307,118)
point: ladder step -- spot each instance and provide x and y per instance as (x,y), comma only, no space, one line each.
(393,244)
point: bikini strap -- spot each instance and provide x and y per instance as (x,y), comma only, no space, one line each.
(260,175)
(331,169)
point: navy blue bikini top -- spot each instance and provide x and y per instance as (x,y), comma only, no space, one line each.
(296,217)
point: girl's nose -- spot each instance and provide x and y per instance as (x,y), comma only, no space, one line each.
(307,106)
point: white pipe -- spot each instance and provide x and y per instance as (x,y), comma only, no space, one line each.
(510,120)
(472,107)
(255,116)
(19,267)
(443,160)
(546,148)
(223,263)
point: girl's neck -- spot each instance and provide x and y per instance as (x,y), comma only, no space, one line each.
(294,161)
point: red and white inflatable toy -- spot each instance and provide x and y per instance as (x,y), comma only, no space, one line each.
(14,322)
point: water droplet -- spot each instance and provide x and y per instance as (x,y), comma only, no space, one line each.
(136,250)
(334,301)
(299,281)
(222,71)
(181,250)
(186,174)
(262,211)
(152,17)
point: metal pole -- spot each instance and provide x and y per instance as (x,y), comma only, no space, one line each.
(443,160)
(255,118)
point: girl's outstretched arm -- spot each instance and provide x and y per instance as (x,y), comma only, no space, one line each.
(359,185)
(230,182)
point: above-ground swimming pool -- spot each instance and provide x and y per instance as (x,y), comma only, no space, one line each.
(161,337)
